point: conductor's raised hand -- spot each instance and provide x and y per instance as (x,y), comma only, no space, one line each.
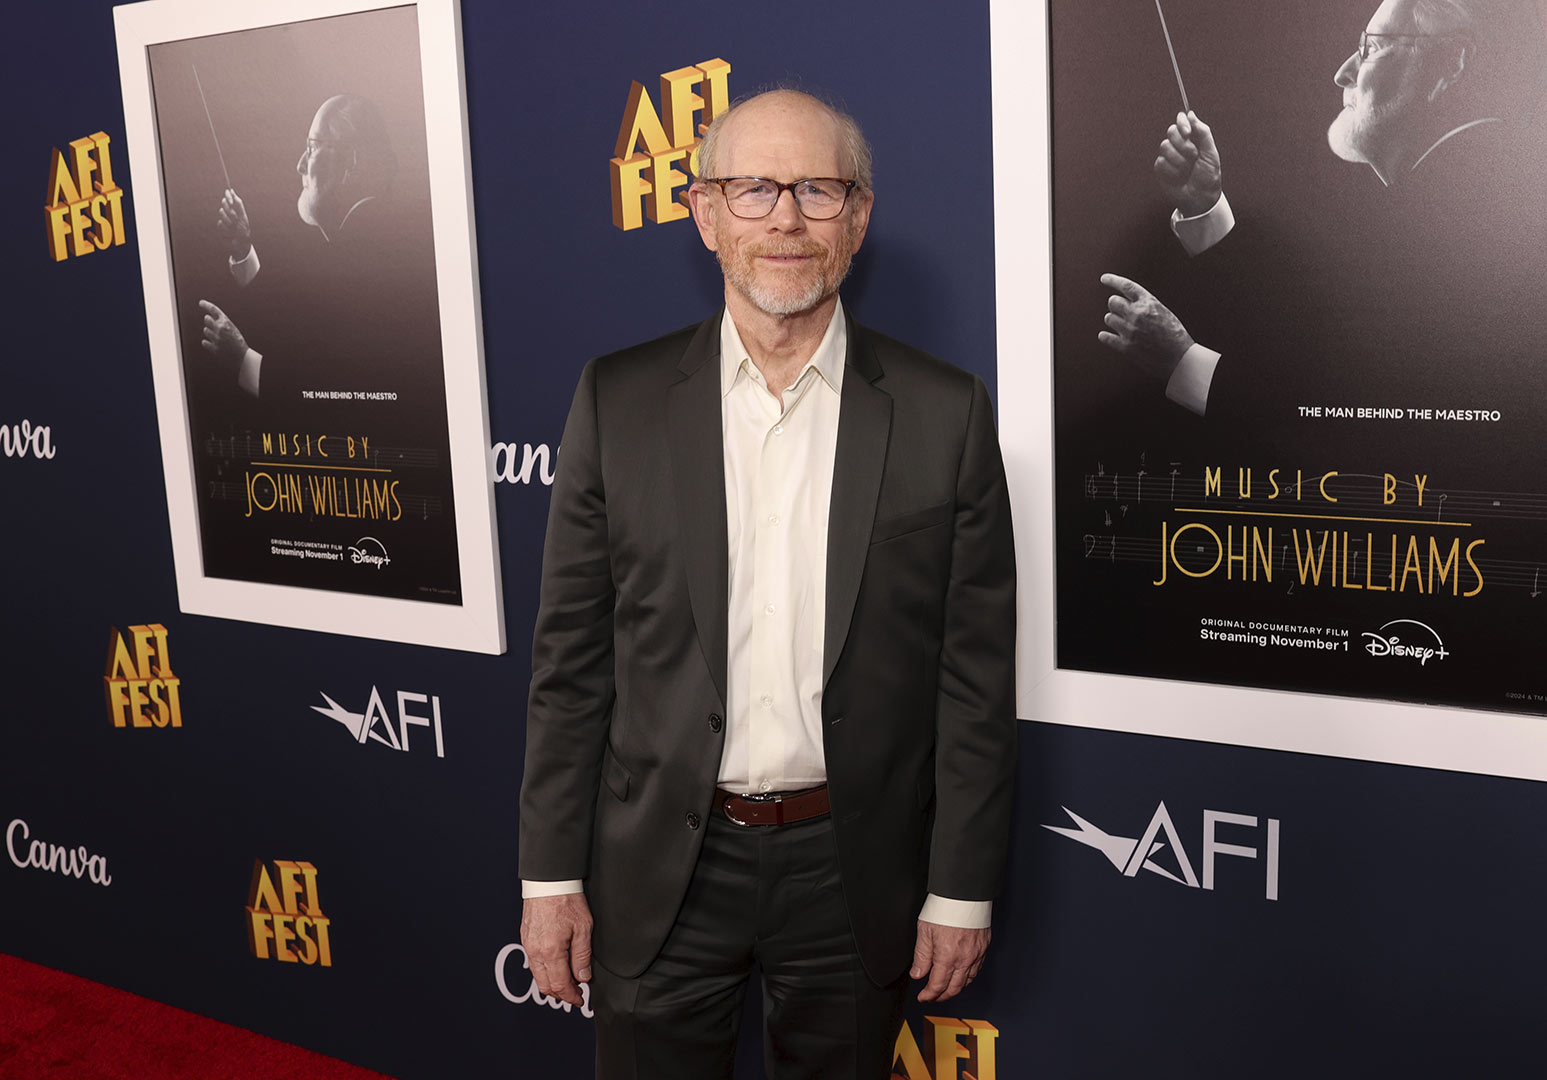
(231,222)
(1188,167)
(556,934)
(1142,328)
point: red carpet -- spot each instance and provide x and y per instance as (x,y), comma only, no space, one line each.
(55,1026)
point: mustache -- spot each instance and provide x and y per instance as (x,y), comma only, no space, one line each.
(787,247)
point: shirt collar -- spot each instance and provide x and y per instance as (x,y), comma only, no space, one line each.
(1450,134)
(829,358)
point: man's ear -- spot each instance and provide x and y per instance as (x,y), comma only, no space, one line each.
(1455,69)
(699,195)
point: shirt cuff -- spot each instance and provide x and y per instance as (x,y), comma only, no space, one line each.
(244,270)
(531,889)
(1189,383)
(963,914)
(249,371)
(1200,233)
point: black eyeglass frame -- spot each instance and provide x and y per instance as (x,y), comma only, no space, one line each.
(1365,37)
(780,189)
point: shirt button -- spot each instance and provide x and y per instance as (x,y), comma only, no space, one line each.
(778,429)
(765,786)
(767,701)
(769,609)
(693,820)
(716,722)
(773,519)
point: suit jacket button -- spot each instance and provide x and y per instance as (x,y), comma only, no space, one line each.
(716,722)
(693,820)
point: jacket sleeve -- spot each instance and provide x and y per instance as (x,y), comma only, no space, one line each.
(571,698)
(975,726)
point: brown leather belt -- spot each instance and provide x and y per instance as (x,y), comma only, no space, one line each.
(774,808)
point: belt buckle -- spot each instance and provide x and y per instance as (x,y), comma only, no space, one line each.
(757,797)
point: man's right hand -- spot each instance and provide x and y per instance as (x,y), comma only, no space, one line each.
(233,226)
(556,934)
(1188,167)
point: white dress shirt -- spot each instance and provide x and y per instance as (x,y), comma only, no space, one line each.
(779,457)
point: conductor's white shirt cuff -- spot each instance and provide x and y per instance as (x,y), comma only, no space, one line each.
(1189,383)
(531,889)
(244,270)
(1202,232)
(963,914)
(250,371)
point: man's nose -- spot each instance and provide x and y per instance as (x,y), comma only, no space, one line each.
(786,215)
(1348,75)
(300,163)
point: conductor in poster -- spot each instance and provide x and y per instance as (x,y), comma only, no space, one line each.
(298,206)
(1305,395)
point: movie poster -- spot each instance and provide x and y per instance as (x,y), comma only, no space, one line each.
(296,188)
(1297,431)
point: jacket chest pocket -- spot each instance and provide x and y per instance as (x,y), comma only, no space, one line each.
(914,521)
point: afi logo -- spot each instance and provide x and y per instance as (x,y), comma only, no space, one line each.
(378,724)
(1130,855)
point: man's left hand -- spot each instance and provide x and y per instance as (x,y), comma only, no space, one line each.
(1142,328)
(221,337)
(950,956)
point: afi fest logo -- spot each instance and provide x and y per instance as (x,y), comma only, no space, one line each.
(1130,856)
(1426,647)
(377,724)
(650,144)
(84,214)
(141,690)
(287,923)
(74,862)
(19,440)
(962,1050)
(370,551)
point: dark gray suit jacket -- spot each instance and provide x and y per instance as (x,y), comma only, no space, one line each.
(624,724)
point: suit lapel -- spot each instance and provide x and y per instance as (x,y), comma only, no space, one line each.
(694,430)
(864,427)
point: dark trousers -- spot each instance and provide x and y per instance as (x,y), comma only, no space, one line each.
(769,894)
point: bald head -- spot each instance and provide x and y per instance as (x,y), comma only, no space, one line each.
(822,122)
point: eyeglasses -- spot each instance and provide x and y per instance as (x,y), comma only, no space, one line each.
(1368,41)
(819,198)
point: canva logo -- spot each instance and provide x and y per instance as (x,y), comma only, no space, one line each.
(83,214)
(1130,856)
(650,144)
(518,463)
(141,690)
(74,862)
(961,1050)
(19,440)
(376,724)
(506,974)
(287,923)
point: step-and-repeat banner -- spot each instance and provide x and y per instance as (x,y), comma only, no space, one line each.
(270,610)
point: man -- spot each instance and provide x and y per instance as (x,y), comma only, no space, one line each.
(377,267)
(772,694)
(1436,99)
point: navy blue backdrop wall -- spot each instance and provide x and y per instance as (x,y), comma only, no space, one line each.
(1384,922)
